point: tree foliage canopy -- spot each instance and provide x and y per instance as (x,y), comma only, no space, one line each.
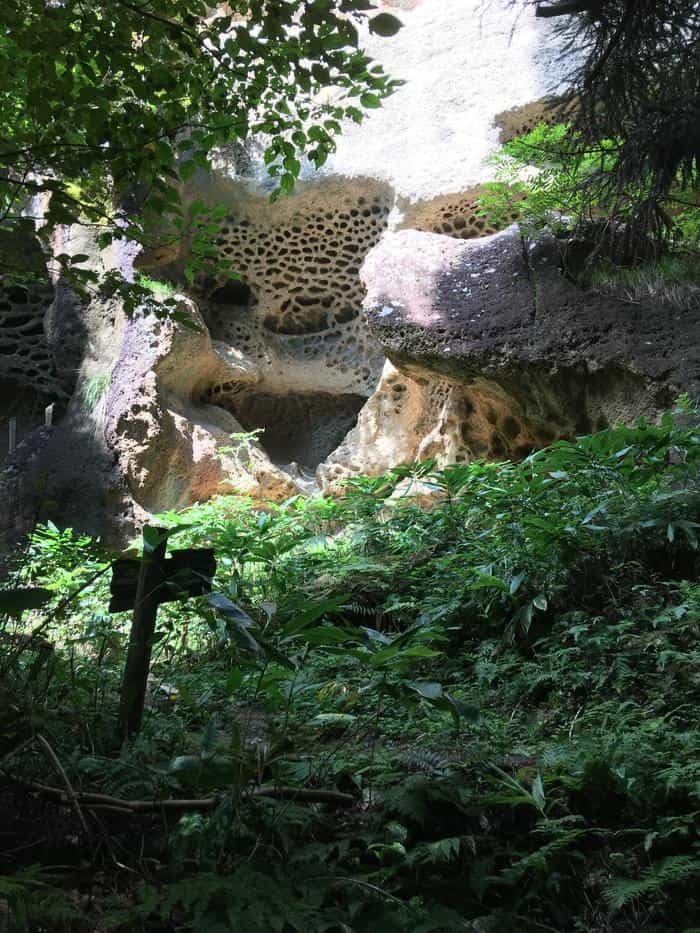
(97,97)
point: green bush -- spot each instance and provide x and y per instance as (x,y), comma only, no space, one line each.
(505,683)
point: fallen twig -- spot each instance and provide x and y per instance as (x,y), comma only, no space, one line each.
(51,754)
(105,801)
(305,794)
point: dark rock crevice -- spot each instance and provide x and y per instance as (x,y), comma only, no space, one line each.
(296,427)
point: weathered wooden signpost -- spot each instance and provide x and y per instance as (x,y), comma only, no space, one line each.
(142,585)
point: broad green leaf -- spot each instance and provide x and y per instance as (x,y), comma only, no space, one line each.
(152,537)
(234,680)
(312,614)
(488,581)
(240,627)
(398,654)
(186,764)
(333,719)
(431,691)
(515,582)
(326,635)
(371,101)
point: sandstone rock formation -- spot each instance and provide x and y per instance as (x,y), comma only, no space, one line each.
(377,318)
(173,445)
(22,490)
(496,350)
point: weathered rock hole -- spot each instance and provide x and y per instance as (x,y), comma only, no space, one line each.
(25,357)
(309,253)
(498,448)
(234,293)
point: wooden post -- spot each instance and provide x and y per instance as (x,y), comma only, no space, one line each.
(143,626)
(13,435)
(48,415)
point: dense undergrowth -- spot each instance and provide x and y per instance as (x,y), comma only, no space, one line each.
(501,690)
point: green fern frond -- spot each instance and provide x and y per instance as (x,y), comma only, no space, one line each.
(671,870)
(34,901)
(442,851)
(427,761)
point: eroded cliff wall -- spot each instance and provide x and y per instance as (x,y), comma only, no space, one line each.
(339,348)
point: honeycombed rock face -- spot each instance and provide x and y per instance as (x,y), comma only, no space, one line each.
(297,312)
(455,215)
(25,297)
(306,361)
(301,257)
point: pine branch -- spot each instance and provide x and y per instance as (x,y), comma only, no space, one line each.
(566,8)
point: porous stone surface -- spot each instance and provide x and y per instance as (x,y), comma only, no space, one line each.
(418,414)
(22,485)
(305,360)
(296,311)
(455,215)
(172,448)
(300,257)
(68,473)
(531,356)
(404,421)
(26,295)
(517,121)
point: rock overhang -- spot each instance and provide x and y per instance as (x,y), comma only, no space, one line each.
(498,316)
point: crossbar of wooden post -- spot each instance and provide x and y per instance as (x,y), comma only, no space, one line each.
(143,627)
(186,573)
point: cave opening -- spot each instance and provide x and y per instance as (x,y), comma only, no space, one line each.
(302,428)
(233,293)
